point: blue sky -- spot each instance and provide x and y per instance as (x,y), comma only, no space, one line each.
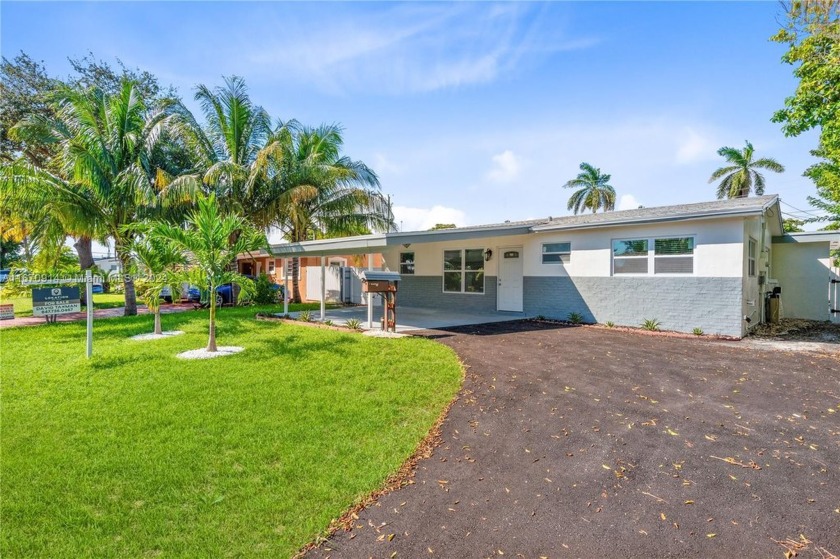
(474,112)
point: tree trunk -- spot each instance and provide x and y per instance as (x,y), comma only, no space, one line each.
(128,281)
(84,248)
(295,280)
(158,330)
(211,343)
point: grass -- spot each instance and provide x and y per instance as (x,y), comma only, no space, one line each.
(23,305)
(136,453)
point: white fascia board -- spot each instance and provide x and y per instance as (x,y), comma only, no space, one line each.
(649,220)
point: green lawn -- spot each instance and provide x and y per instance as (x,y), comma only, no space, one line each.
(23,305)
(136,453)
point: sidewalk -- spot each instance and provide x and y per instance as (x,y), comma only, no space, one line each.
(101,313)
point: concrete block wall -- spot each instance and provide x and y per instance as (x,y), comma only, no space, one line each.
(679,303)
(427,292)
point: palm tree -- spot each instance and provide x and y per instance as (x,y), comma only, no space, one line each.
(223,150)
(106,173)
(313,191)
(158,260)
(206,241)
(741,176)
(594,191)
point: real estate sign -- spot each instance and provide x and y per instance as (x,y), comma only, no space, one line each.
(48,301)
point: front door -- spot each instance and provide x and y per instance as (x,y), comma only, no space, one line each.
(509,292)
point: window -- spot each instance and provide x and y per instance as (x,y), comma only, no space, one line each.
(673,256)
(751,255)
(670,255)
(630,257)
(407,263)
(556,253)
(463,271)
(271,266)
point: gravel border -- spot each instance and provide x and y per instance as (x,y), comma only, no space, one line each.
(204,354)
(168,334)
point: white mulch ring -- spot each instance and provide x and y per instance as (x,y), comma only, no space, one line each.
(204,354)
(383,334)
(168,334)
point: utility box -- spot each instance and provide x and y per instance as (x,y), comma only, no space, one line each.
(386,284)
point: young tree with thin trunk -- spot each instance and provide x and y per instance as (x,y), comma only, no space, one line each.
(211,241)
(156,265)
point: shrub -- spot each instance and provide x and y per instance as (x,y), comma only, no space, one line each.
(610,324)
(697,331)
(540,318)
(265,294)
(305,316)
(651,324)
(328,322)
(353,324)
(575,318)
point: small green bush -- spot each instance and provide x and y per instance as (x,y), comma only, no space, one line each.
(697,331)
(264,294)
(651,324)
(328,322)
(575,318)
(610,324)
(353,324)
(305,316)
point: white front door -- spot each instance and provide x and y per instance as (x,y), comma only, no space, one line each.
(509,292)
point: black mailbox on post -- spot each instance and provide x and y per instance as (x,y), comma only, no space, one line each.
(385,283)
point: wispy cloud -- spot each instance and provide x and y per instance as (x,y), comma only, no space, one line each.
(412,48)
(422,219)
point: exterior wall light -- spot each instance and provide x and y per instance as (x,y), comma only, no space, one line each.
(488,254)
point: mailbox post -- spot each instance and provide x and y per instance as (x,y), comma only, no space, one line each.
(386,284)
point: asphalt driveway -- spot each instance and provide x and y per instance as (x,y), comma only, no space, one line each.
(583,442)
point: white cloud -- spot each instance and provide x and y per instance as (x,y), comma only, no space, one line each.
(506,167)
(695,147)
(627,202)
(422,219)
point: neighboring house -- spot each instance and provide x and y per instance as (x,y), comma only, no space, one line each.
(342,270)
(689,266)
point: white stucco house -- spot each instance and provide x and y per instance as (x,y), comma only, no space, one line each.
(706,265)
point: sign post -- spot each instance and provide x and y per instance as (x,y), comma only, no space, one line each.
(89,300)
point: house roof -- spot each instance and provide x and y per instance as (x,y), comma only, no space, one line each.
(809,237)
(376,242)
(716,209)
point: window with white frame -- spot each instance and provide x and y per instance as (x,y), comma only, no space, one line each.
(556,253)
(670,255)
(673,255)
(630,256)
(752,251)
(271,267)
(407,263)
(463,271)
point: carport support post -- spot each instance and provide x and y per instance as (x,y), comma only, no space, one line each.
(323,287)
(285,263)
(370,296)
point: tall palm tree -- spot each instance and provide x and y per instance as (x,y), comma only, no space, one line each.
(313,191)
(741,177)
(106,173)
(206,241)
(594,191)
(223,150)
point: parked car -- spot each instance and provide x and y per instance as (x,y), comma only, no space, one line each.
(166,294)
(4,275)
(97,288)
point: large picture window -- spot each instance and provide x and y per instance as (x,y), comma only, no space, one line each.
(463,271)
(670,255)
